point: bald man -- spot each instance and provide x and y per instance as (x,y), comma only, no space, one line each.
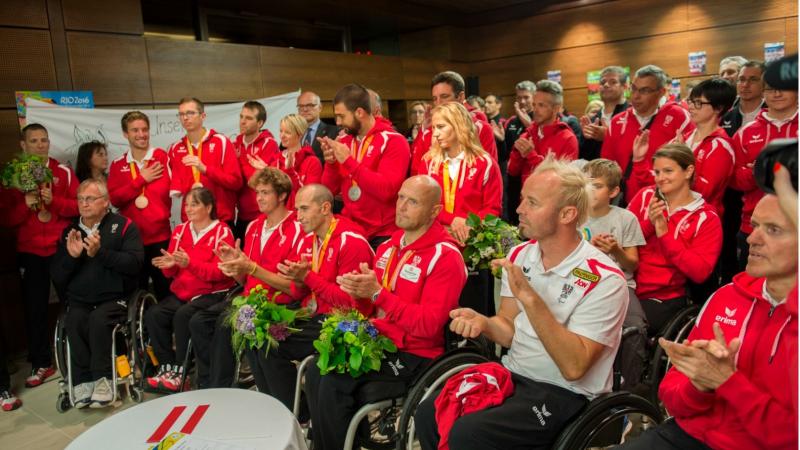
(309,106)
(418,276)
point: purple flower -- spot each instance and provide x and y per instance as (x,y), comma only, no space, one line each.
(244,320)
(371,330)
(278,331)
(348,325)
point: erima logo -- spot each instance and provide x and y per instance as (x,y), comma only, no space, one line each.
(541,414)
(727,318)
(396,366)
(730,312)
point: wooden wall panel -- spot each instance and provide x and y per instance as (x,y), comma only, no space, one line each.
(209,71)
(284,70)
(716,13)
(9,134)
(26,63)
(114,67)
(113,16)
(24,13)
(417,75)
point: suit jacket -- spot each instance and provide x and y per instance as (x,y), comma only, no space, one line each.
(323,130)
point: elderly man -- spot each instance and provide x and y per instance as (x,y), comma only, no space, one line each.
(730,66)
(562,306)
(727,388)
(97,264)
(418,276)
(309,107)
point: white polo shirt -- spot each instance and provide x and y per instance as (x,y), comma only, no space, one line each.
(587,293)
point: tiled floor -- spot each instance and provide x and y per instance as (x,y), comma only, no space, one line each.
(38,425)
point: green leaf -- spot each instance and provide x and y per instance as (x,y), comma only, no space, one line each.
(355,358)
(473,220)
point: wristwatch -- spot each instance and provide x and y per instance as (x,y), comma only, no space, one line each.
(375,295)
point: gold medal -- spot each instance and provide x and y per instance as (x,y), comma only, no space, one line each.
(44,216)
(141,202)
(354,193)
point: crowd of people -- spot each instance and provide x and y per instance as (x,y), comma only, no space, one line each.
(641,206)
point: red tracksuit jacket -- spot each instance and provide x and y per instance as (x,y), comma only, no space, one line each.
(223,176)
(265,147)
(556,138)
(306,170)
(480,188)
(689,250)
(670,120)
(422,143)
(37,237)
(747,144)
(201,276)
(753,409)
(379,176)
(277,249)
(414,312)
(152,221)
(474,389)
(713,166)
(347,249)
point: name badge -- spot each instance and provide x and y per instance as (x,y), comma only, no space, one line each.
(410,273)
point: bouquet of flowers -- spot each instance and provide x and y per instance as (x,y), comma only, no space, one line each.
(349,343)
(490,238)
(26,173)
(256,319)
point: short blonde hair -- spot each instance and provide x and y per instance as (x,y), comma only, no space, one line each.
(606,169)
(295,123)
(574,185)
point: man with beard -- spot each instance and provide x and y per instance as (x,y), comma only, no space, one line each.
(367,165)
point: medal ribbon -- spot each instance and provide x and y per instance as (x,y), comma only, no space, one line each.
(451,186)
(134,174)
(318,253)
(359,153)
(195,171)
(390,283)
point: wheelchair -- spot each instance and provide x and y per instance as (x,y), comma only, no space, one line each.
(128,353)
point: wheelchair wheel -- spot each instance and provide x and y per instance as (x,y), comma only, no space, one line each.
(431,379)
(676,330)
(140,360)
(60,344)
(137,395)
(62,403)
(609,420)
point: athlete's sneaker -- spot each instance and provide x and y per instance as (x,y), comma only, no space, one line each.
(83,394)
(172,380)
(102,394)
(38,376)
(155,381)
(9,401)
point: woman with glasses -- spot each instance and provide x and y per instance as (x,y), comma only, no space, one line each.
(416,117)
(713,150)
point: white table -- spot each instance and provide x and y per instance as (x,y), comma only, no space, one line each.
(232,416)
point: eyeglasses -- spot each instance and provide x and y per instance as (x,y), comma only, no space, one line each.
(772,91)
(697,103)
(751,80)
(643,91)
(188,114)
(88,199)
(307,106)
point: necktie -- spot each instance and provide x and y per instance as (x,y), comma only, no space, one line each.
(307,139)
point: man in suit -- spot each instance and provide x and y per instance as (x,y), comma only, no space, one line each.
(309,107)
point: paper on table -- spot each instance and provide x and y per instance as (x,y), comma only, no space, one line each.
(180,441)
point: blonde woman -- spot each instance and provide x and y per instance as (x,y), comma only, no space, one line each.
(469,177)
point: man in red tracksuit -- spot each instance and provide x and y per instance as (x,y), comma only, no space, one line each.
(778,121)
(661,124)
(449,87)
(39,218)
(417,279)
(331,247)
(547,134)
(727,386)
(367,166)
(204,158)
(138,184)
(252,144)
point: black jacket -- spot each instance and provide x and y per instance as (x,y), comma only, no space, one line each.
(112,274)
(323,130)
(732,120)
(590,148)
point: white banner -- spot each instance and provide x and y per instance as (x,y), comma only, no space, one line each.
(70,127)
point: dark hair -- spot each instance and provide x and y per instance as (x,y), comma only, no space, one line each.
(200,106)
(83,168)
(455,80)
(261,112)
(680,153)
(31,127)
(131,116)
(205,197)
(720,93)
(755,63)
(354,96)
(497,98)
(274,177)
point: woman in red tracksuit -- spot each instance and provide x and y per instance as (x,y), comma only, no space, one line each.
(197,284)
(469,177)
(682,231)
(299,162)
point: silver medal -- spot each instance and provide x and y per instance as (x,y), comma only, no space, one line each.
(354,193)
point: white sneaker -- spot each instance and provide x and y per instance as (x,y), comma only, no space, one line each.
(102,394)
(83,394)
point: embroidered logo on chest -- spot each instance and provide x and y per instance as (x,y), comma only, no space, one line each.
(114,228)
(566,291)
(667,120)
(472,172)
(586,275)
